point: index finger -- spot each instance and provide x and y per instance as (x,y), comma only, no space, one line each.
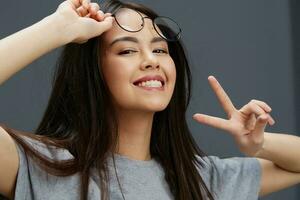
(78,3)
(221,95)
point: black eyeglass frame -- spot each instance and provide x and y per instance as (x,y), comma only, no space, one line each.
(177,37)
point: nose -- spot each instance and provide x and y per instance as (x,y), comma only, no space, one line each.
(149,61)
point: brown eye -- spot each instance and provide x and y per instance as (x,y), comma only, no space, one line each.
(160,51)
(126,52)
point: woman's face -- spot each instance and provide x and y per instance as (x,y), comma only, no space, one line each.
(127,57)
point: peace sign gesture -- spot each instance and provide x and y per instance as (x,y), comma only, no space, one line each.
(246,125)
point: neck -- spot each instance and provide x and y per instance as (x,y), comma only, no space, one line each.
(134,134)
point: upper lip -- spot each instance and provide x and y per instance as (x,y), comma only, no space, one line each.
(150,77)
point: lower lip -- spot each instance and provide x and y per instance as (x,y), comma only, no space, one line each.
(151,88)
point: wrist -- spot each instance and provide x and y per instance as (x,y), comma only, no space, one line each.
(263,152)
(57,28)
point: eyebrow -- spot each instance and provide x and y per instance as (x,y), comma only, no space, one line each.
(135,40)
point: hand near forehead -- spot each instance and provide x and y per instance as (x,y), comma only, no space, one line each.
(246,125)
(82,20)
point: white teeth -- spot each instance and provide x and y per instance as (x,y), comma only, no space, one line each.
(152,83)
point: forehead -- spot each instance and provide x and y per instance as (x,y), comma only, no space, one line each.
(126,16)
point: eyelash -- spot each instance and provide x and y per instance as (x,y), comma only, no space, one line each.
(126,51)
(163,51)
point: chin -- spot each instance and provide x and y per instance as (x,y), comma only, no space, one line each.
(147,105)
(155,108)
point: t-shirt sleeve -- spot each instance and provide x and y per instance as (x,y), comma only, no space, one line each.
(24,179)
(31,179)
(236,178)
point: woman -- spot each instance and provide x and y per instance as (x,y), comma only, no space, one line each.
(115,124)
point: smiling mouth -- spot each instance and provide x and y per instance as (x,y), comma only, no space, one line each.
(154,86)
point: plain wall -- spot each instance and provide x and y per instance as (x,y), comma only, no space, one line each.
(248,45)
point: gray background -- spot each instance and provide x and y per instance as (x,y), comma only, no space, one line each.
(249,46)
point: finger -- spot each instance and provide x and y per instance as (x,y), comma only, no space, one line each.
(85,3)
(262,104)
(82,11)
(215,122)
(261,124)
(251,122)
(222,96)
(270,119)
(92,16)
(78,3)
(252,107)
(265,107)
(107,15)
(100,15)
(88,15)
(100,27)
(93,9)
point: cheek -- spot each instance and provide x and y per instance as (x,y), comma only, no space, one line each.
(170,71)
(117,76)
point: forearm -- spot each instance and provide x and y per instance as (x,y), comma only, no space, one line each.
(283,150)
(23,47)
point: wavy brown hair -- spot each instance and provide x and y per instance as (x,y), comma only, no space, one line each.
(80,118)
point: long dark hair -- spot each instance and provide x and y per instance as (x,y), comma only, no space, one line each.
(80,118)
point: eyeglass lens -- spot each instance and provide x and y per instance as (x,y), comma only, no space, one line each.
(132,21)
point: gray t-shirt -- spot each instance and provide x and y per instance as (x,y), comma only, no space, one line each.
(235,178)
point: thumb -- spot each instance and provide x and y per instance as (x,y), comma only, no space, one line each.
(103,26)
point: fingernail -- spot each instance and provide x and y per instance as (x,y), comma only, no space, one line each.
(273,121)
(85,5)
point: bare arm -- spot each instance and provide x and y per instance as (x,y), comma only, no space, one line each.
(9,164)
(283,150)
(66,25)
(21,48)
(280,161)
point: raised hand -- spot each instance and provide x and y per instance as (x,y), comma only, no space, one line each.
(83,20)
(246,125)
